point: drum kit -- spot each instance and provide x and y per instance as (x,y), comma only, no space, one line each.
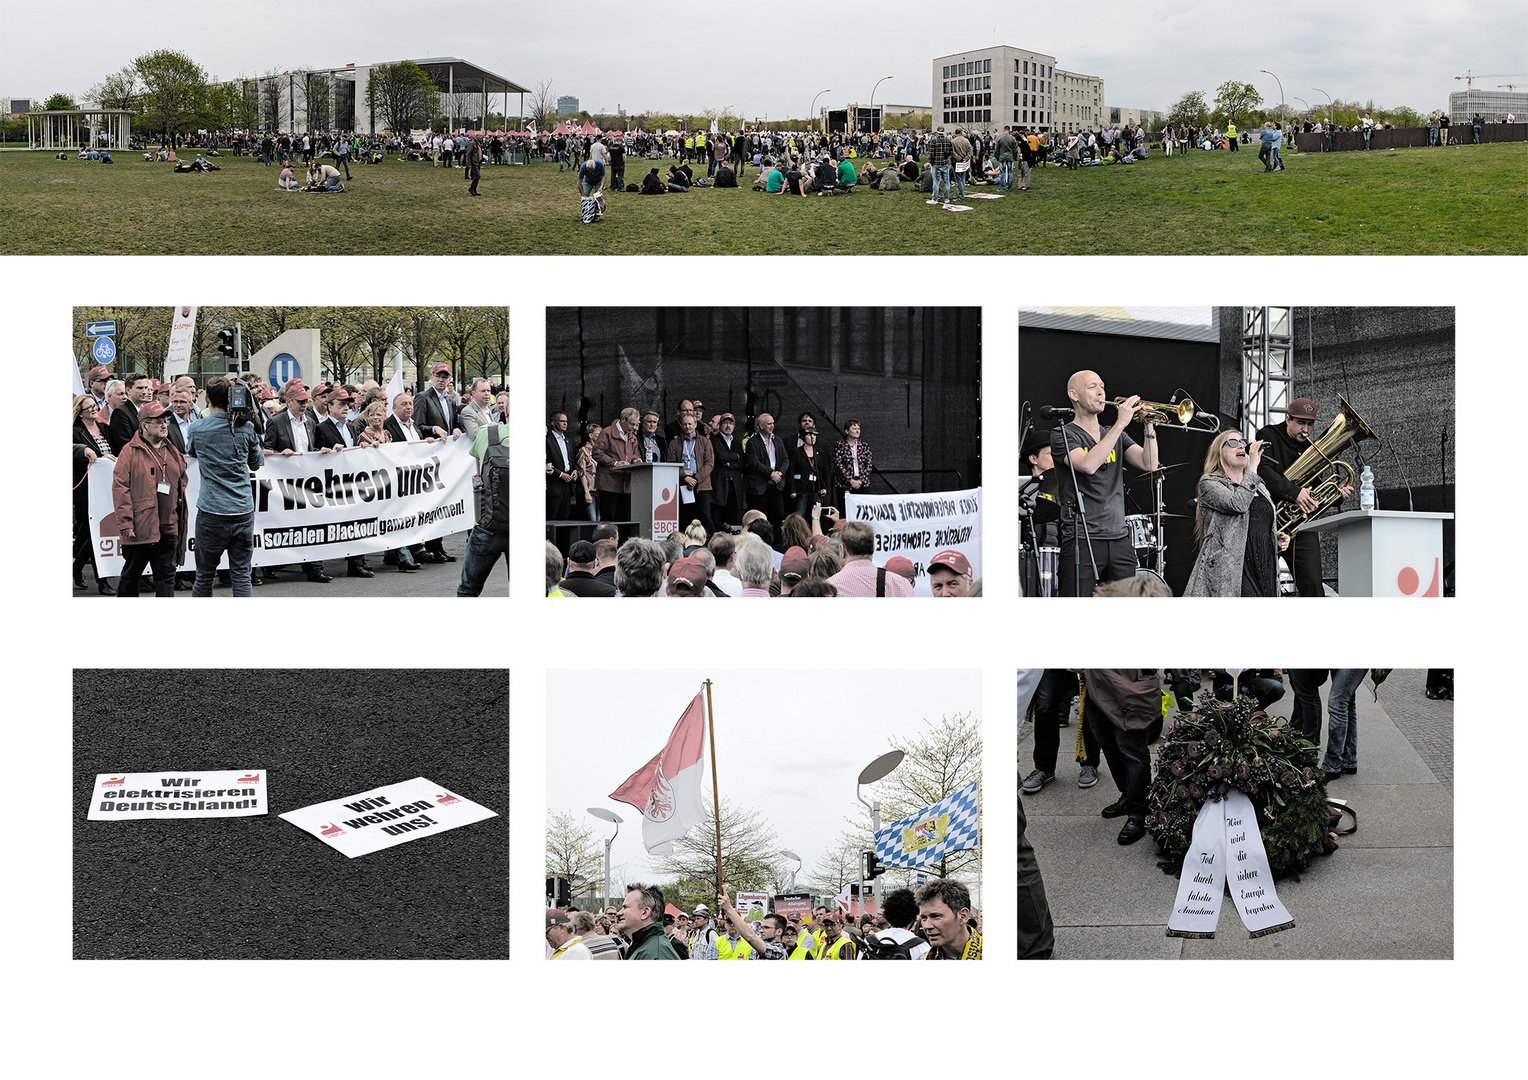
(1145,530)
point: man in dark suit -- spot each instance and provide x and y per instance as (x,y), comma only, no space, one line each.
(765,462)
(124,418)
(182,415)
(434,411)
(293,431)
(333,433)
(403,429)
(727,473)
(561,471)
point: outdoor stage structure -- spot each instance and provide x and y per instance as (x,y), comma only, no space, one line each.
(911,376)
(1246,364)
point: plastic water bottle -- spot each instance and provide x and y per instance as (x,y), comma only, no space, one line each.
(1366,489)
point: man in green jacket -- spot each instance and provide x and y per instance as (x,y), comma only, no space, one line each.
(642,922)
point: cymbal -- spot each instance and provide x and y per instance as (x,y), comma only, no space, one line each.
(1140,478)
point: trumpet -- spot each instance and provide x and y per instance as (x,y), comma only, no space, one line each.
(1184,413)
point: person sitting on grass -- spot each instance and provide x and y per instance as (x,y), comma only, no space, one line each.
(286,181)
(680,177)
(770,178)
(725,177)
(652,183)
(846,175)
(795,182)
(323,178)
(909,170)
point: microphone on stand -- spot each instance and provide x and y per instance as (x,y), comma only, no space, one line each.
(1057,412)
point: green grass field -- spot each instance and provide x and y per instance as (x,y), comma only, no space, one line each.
(1454,201)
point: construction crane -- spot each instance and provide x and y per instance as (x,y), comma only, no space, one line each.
(1469,77)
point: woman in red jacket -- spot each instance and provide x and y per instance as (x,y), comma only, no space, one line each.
(149,493)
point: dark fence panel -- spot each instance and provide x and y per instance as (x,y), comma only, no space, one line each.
(1313,142)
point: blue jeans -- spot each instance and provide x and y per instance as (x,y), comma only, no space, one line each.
(1342,720)
(484,546)
(1432,136)
(215,534)
(1264,690)
(1265,155)
(960,182)
(1005,175)
(941,174)
(1306,715)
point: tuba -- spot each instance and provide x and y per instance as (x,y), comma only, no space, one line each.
(1319,457)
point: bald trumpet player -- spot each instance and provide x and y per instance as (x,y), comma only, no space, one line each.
(1095,543)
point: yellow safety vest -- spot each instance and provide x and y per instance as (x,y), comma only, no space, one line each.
(726,951)
(801,952)
(837,947)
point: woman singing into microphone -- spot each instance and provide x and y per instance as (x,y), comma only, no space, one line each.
(1235,524)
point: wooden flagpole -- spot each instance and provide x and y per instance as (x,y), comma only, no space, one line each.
(716,798)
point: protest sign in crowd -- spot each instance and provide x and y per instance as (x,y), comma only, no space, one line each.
(229,483)
(760,517)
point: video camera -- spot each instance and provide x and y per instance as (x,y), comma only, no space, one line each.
(242,407)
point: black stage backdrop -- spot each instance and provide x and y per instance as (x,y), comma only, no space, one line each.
(1154,368)
(254,888)
(911,376)
(1395,366)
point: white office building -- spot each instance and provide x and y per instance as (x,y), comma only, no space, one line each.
(987,89)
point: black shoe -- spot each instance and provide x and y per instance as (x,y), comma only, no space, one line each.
(104,587)
(1114,809)
(359,571)
(1134,829)
(1330,776)
(1350,772)
(431,557)
(407,567)
(318,577)
(79,577)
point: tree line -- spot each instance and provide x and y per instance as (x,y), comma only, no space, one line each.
(1242,104)
(356,343)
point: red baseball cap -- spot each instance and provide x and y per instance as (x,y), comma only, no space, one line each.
(1301,408)
(952,559)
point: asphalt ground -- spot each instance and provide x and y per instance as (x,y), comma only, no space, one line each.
(1387,893)
(431,579)
(256,887)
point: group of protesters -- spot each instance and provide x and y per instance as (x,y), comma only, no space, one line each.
(936,922)
(149,429)
(759,516)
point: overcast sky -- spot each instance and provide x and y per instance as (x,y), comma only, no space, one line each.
(762,62)
(603,726)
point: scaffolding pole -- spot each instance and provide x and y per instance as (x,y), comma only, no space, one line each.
(1267,365)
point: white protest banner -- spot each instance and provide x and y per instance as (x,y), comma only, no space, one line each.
(382,817)
(918,527)
(169,794)
(326,506)
(182,329)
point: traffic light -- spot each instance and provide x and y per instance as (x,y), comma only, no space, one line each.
(873,867)
(226,344)
(559,892)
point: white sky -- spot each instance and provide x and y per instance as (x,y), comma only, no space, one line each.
(761,60)
(604,725)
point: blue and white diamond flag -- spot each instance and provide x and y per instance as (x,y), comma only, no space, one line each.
(932,833)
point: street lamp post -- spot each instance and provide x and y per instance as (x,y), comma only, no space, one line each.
(1331,105)
(811,113)
(872,96)
(606,815)
(791,855)
(1281,91)
(877,769)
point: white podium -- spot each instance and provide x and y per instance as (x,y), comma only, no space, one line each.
(654,497)
(1387,552)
